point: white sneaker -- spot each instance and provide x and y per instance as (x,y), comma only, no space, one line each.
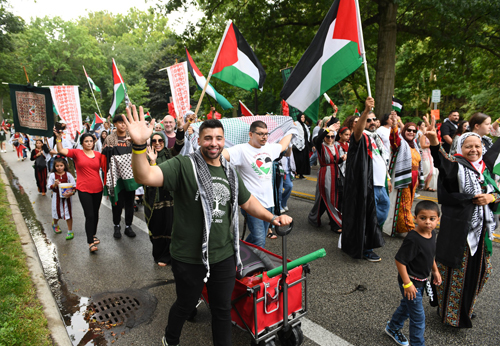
(286,208)
(282,211)
(417,195)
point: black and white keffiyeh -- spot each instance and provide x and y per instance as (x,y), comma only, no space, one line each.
(205,187)
(470,183)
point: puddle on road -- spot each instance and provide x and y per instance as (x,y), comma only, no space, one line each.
(72,307)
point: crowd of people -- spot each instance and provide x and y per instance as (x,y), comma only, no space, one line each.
(193,185)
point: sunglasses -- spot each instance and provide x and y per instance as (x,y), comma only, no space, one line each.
(262,134)
(410,130)
(157,140)
(369,120)
(330,136)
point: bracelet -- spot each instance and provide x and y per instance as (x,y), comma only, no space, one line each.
(154,164)
(327,130)
(408,285)
(139,146)
(494,198)
(274,218)
(139,152)
(58,140)
(497,121)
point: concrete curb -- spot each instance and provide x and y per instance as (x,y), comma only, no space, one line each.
(51,311)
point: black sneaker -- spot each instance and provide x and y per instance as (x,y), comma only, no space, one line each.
(164,342)
(117,233)
(396,335)
(129,232)
(371,256)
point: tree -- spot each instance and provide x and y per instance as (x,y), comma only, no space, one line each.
(221,197)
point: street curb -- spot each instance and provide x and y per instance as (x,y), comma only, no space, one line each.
(51,311)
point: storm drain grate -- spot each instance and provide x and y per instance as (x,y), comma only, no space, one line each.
(128,307)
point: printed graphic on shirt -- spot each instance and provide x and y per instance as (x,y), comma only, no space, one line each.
(262,165)
(222,196)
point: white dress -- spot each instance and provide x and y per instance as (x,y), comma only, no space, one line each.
(65,204)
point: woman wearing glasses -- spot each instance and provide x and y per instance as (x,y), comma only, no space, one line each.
(158,203)
(407,175)
(326,198)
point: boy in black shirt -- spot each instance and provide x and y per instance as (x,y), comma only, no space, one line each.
(415,261)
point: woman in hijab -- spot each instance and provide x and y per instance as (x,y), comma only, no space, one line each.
(301,155)
(406,170)
(469,197)
(159,203)
(326,198)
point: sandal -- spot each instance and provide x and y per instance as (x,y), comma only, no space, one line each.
(93,248)
(430,189)
(271,235)
(96,240)
(161,264)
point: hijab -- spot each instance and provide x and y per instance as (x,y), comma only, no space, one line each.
(164,154)
(479,164)
(411,143)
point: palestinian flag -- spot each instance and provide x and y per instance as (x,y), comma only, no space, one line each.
(119,90)
(334,54)
(147,116)
(236,63)
(201,81)
(91,82)
(243,110)
(492,158)
(397,105)
(96,122)
(116,164)
(285,108)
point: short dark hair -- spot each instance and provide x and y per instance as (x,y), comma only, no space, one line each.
(211,124)
(85,135)
(384,119)
(117,118)
(427,205)
(256,124)
(453,111)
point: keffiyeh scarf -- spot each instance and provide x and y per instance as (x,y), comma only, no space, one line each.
(471,182)
(205,187)
(402,166)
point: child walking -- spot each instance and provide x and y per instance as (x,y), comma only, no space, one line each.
(61,207)
(415,261)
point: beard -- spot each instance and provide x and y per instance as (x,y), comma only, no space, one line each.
(206,153)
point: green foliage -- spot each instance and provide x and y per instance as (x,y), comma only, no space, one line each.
(22,321)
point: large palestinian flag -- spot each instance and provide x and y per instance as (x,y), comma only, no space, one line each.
(119,90)
(201,80)
(236,63)
(334,54)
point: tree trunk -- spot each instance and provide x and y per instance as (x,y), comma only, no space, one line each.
(386,57)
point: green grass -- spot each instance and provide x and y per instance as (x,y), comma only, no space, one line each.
(22,321)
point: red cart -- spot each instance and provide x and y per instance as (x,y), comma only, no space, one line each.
(271,309)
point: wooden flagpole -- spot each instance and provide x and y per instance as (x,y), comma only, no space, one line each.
(92,91)
(212,69)
(363,53)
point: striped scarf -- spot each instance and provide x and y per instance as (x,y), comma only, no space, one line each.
(402,166)
(205,187)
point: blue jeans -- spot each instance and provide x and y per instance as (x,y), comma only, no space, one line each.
(286,183)
(382,204)
(257,229)
(414,310)
(314,158)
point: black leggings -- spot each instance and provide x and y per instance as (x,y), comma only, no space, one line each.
(188,286)
(125,199)
(91,202)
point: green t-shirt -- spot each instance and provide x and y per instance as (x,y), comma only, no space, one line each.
(187,231)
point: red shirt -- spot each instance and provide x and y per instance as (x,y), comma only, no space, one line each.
(88,179)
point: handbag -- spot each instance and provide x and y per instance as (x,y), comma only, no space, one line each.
(40,162)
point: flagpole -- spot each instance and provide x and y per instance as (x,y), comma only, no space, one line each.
(363,53)
(92,91)
(212,68)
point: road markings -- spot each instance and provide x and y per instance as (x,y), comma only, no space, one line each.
(303,195)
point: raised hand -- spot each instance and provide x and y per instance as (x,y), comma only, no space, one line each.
(137,127)
(431,132)
(152,154)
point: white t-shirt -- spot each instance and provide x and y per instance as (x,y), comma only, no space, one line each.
(379,167)
(255,166)
(384,134)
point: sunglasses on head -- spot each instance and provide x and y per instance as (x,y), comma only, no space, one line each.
(157,140)
(411,130)
(330,136)
(369,120)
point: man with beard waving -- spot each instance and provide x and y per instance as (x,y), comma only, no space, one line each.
(205,237)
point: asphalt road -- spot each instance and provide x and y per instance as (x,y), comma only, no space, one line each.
(339,312)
